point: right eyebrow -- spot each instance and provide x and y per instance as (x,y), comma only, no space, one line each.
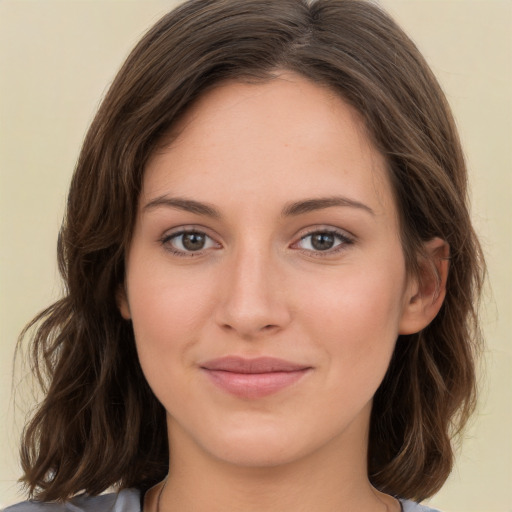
(188,205)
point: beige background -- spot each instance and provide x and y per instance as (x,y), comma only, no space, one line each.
(56,60)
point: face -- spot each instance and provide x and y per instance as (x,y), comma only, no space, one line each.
(265,279)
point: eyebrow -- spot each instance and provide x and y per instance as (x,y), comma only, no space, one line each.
(188,205)
(290,210)
(311,205)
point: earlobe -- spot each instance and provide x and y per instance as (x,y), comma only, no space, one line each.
(427,290)
(122,302)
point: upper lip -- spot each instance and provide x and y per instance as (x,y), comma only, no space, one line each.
(238,364)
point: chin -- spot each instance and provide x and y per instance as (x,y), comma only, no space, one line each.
(254,445)
(265,446)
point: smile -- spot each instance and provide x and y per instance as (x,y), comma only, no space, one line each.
(253,378)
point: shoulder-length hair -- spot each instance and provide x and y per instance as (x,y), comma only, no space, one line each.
(100,424)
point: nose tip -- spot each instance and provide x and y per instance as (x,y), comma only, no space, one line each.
(253,301)
(253,314)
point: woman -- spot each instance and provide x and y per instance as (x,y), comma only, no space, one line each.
(271,274)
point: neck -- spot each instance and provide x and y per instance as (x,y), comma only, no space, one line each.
(323,481)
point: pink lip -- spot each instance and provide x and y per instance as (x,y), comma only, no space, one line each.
(253,378)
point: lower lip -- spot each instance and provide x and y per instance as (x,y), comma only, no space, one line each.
(254,385)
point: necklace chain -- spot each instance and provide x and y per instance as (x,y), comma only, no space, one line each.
(165,483)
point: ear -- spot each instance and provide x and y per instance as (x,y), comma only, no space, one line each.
(122,302)
(426,291)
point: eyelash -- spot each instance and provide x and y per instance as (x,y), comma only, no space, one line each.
(167,239)
(342,238)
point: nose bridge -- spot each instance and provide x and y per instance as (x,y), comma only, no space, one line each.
(253,299)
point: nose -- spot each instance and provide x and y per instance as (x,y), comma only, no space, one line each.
(253,300)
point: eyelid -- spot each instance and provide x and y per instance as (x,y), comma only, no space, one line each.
(166,239)
(346,239)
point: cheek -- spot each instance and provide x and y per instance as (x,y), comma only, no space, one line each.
(358,301)
(354,319)
(167,307)
(165,300)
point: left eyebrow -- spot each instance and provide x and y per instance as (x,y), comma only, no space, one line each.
(311,205)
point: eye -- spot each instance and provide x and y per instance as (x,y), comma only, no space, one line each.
(186,243)
(323,241)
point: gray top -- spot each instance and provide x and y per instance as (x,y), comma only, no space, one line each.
(128,500)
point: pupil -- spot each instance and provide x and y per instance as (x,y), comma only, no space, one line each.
(322,241)
(193,241)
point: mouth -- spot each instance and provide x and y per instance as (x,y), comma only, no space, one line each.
(253,378)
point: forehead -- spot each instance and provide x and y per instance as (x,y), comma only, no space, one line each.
(276,139)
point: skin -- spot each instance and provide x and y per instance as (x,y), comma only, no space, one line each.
(260,287)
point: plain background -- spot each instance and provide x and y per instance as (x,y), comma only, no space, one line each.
(56,61)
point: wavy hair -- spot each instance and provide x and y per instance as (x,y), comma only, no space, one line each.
(99,424)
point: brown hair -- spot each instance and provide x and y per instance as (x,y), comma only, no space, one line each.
(99,423)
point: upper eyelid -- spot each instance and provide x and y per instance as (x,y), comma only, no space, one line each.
(187,228)
(177,234)
(342,236)
(325,229)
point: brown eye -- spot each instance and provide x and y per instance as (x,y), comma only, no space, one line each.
(188,242)
(322,241)
(328,242)
(193,241)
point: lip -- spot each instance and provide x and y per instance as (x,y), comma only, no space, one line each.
(253,378)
